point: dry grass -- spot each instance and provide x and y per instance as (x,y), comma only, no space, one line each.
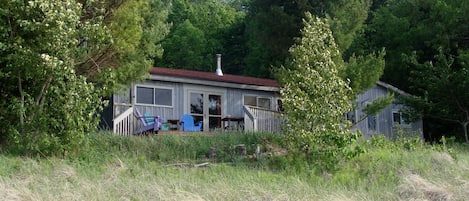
(448,180)
(126,180)
(124,174)
(415,187)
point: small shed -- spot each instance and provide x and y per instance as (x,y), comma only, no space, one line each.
(390,121)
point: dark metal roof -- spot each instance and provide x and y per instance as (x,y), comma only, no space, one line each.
(211,76)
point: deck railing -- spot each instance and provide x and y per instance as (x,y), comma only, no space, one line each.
(263,120)
(124,123)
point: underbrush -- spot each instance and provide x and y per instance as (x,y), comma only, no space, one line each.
(237,166)
(175,149)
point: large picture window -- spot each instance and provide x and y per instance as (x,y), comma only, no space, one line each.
(154,96)
(257,101)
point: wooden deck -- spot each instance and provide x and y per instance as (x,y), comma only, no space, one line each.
(182,133)
(255,120)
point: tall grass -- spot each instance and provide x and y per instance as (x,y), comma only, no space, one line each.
(164,168)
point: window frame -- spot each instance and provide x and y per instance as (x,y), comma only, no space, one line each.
(375,119)
(257,100)
(154,95)
(375,122)
(400,117)
(402,123)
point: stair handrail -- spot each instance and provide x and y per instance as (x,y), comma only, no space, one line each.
(122,124)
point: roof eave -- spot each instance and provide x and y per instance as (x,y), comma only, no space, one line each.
(169,78)
(392,88)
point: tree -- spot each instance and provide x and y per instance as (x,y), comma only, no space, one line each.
(416,34)
(444,84)
(200,30)
(124,49)
(271,27)
(185,48)
(45,105)
(347,19)
(57,60)
(315,97)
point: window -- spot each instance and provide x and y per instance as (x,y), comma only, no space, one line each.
(371,122)
(250,100)
(263,103)
(396,117)
(154,96)
(256,101)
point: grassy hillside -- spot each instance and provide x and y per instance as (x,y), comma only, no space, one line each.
(177,168)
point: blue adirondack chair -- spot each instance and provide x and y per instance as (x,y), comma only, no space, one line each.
(149,123)
(188,124)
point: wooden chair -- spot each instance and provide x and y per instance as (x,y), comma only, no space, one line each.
(149,123)
(188,124)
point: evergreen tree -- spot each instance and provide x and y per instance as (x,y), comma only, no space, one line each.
(416,36)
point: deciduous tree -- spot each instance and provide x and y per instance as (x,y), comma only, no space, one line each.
(315,97)
(200,30)
(59,57)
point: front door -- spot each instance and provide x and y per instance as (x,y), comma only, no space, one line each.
(206,107)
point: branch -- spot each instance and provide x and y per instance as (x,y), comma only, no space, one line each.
(20,88)
(444,119)
(463,109)
(40,96)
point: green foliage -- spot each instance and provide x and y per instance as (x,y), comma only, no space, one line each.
(49,107)
(271,27)
(315,97)
(185,47)
(173,149)
(200,30)
(126,44)
(378,104)
(386,171)
(347,18)
(443,84)
(364,71)
(57,60)
(417,36)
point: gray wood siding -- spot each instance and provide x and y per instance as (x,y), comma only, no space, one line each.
(165,112)
(233,99)
(122,97)
(384,119)
(234,103)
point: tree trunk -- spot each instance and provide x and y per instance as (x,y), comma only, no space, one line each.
(464,127)
(22,114)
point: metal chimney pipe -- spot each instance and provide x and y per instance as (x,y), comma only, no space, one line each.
(219,72)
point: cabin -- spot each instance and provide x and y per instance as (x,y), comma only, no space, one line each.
(221,101)
(390,121)
(226,102)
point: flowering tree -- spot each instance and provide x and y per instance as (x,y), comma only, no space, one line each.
(53,55)
(315,97)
